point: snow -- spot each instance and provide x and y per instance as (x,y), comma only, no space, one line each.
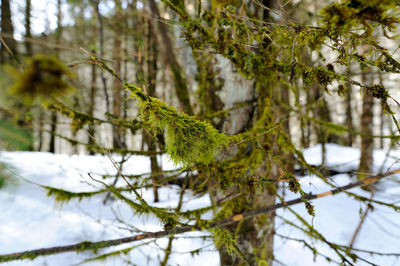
(31,220)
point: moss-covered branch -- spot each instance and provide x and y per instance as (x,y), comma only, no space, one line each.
(188,140)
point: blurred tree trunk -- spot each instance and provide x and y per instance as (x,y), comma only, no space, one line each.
(28,34)
(7,29)
(54,118)
(321,112)
(349,116)
(307,140)
(151,55)
(367,141)
(101,51)
(29,53)
(118,141)
(92,103)
(367,118)
(138,44)
(382,117)
(167,49)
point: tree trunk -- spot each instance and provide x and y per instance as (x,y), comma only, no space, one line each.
(255,237)
(322,113)
(367,141)
(138,45)
(92,103)
(28,35)
(151,89)
(6,56)
(53,130)
(118,141)
(382,118)
(349,116)
(54,118)
(181,89)
(101,52)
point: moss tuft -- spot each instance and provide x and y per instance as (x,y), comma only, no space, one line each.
(188,141)
(43,76)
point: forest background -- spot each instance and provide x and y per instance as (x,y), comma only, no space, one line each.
(231,91)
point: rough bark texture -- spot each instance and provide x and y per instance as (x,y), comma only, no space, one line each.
(367,142)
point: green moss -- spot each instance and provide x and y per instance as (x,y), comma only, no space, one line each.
(43,76)
(62,195)
(188,141)
(224,238)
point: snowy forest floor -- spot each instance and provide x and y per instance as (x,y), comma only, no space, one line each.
(31,220)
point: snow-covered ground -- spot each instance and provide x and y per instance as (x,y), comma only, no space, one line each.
(30,219)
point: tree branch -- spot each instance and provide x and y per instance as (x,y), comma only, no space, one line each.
(94,246)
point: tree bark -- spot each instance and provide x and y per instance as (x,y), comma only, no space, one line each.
(54,117)
(7,27)
(92,96)
(367,115)
(28,34)
(151,54)
(349,116)
(101,52)
(118,140)
(255,237)
(367,142)
(181,89)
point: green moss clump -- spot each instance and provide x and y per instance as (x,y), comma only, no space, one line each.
(224,238)
(188,141)
(43,76)
(62,195)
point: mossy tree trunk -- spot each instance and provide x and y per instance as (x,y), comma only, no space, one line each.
(255,236)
